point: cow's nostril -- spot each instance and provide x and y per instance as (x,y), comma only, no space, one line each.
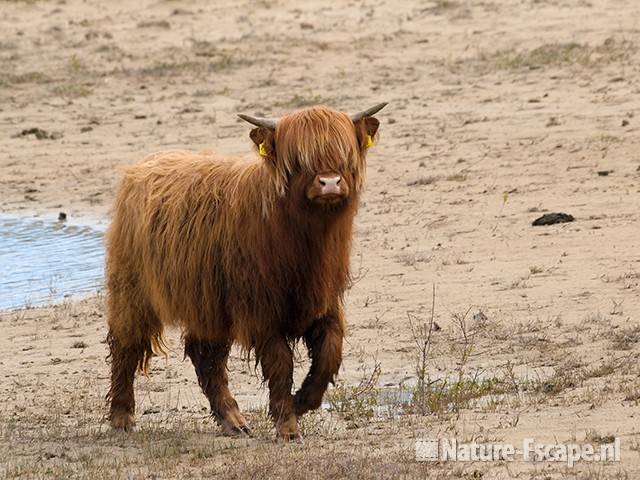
(322,182)
(338,181)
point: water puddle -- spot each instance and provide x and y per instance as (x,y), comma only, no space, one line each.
(45,261)
(382,402)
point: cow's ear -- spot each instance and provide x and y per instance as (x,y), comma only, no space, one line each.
(264,139)
(366,130)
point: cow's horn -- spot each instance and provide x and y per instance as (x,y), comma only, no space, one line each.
(259,121)
(368,112)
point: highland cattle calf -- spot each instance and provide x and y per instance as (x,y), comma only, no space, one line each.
(253,252)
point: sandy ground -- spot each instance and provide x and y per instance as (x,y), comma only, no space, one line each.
(499,112)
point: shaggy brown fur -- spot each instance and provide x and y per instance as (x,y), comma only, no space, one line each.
(234,251)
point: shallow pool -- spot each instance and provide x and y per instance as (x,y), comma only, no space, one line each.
(45,261)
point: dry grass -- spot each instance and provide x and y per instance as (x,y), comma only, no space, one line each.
(625,338)
(301,101)
(366,431)
(611,50)
(428,180)
(356,402)
(412,259)
(550,54)
(9,79)
(175,68)
(70,439)
(71,90)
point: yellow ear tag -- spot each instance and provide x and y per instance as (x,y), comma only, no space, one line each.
(262,151)
(369,142)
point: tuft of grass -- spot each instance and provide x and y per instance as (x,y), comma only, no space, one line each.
(555,54)
(358,402)
(450,394)
(422,333)
(629,280)
(631,392)
(154,24)
(71,90)
(559,382)
(593,437)
(453,395)
(571,373)
(76,65)
(441,6)
(564,54)
(568,374)
(205,48)
(423,181)
(411,259)
(171,68)
(456,177)
(300,101)
(626,338)
(8,78)
(219,63)
(603,370)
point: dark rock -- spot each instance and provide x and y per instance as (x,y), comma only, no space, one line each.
(553,122)
(552,219)
(39,133)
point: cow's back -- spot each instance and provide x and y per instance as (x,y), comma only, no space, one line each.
(167,234)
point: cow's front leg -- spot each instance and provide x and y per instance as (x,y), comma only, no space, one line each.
(276,359)
(324,341)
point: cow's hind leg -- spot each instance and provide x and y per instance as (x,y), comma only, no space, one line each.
(210,361)
(324,341)
(124,362)
(134,333)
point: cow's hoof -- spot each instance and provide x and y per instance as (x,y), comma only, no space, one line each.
(122,421)
(233,423)
(239,431)
(288,430)
(291,438)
